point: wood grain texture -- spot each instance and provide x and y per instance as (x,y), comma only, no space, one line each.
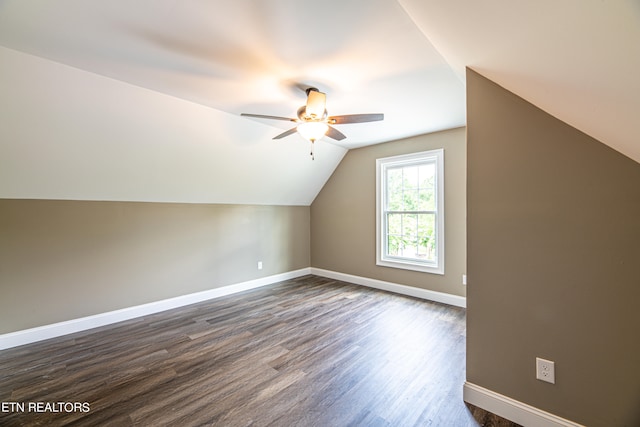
(306,352)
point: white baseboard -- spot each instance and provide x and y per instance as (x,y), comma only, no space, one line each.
(450,299)
(511,409)
(27,336)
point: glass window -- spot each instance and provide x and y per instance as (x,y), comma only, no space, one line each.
(410,211)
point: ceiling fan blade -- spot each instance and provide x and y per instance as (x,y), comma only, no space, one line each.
(261,116)
(316,104)
(334,133)
(355,118)
(287,133)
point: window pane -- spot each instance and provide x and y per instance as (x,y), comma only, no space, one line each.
(393,245)
(427,200)
(427,237)
(410,175)
(427,187)
(409,226)
(411,200)
(427,172)
(394,189)
(394,224)
(426,223)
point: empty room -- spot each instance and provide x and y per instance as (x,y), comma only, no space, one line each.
(296,213)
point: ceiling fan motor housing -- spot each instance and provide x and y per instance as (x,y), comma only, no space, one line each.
(302,115)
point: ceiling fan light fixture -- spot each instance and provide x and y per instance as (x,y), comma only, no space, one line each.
(312,131)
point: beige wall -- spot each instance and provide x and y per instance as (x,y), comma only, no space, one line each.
(553,252)
(343,232)
(61,260)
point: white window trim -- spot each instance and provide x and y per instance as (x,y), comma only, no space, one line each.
(407,159)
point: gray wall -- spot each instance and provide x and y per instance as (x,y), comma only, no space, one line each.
(343,232)
(553,252)
(61,260)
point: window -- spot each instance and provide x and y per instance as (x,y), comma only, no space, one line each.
(410,211)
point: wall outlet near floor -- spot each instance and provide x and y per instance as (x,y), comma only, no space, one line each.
(545,370)
(464,279)
(259,265)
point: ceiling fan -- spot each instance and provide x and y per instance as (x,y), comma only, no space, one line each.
(313,121)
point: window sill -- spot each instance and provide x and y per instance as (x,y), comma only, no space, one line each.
(408,265)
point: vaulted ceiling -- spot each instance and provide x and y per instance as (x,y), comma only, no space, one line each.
(115,100)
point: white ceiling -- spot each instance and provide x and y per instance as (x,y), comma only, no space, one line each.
(140,100)
(579,60)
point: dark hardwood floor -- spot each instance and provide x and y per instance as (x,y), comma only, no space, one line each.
(305,352)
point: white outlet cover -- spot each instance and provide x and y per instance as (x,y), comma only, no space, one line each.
(545,370)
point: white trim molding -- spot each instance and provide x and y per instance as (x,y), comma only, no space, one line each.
(40,333)
(511,409)
(28,336)
(412,291)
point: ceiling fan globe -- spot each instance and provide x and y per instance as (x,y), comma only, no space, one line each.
(312,130)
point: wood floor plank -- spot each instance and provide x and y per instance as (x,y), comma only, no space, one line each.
(305,352)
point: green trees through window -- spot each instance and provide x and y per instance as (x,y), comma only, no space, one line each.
(410,223)
(411,211)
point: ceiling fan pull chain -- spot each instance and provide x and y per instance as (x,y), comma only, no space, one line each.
(312,156)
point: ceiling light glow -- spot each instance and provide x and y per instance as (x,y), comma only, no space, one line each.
(312,131)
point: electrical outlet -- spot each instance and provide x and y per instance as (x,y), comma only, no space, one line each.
(259,265)
(464,279)
(545,370)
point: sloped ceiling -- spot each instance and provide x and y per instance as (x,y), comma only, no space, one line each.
(579,60)
(115,100)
